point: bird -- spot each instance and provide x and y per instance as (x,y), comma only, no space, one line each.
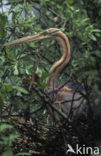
(68,97)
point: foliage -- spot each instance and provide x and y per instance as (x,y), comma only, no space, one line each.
(6,138)
(81,23)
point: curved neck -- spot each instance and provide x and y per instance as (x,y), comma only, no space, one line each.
(59,65)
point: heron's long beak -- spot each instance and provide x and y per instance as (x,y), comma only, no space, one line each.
(36,37)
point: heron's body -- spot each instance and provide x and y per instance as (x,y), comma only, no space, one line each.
(68,96)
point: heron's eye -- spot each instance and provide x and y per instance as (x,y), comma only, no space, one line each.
(54,32)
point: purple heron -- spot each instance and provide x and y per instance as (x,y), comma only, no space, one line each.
(68,100)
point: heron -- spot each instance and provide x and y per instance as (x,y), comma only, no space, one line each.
(68,97)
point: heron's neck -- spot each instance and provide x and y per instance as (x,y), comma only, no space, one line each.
(59,65)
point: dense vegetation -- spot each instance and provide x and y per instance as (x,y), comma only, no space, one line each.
(21,104)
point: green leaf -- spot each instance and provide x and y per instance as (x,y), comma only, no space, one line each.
(96,30)
(23,154)
(92,37)
(12,137)
(47,0)
(21,56)
(3,20)
(2,58)
(1,102)
(27,72)
(3,127)
(44,112)
(16,72)
(7,88)
(20,89)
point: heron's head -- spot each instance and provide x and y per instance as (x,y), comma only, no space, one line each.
(48,33)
